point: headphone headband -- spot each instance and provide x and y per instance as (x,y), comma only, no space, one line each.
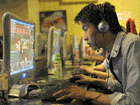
(103,26)
(101,9)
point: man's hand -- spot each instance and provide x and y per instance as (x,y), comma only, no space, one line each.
(73,92)
(87,69)
(83,79)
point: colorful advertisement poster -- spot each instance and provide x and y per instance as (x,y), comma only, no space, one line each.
(53,18)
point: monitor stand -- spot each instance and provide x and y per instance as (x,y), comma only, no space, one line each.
(22,90)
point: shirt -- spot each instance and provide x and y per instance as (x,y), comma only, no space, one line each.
(111,83)
(105,64)
(126,65)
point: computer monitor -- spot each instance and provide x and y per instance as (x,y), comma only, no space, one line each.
(40,45)
(66,46)
(82,48)
(19,53)
(53,45)
(75,47)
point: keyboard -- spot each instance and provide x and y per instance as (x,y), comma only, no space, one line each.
(57,82)
(48,91)
(80,71)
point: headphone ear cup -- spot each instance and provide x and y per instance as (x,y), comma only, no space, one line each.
(103,26)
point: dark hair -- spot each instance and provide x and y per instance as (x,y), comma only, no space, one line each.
(95,13)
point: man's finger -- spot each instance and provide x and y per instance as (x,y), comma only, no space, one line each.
(75,76)
(83,67)
(79,81)
(82,82)
(64,97)
(59,92)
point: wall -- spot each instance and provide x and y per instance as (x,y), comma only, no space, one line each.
(33,12)
(18,7)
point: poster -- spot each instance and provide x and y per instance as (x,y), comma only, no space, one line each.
(119,15)
(53,18)
(126,15)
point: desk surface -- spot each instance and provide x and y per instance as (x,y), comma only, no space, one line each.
(21,101)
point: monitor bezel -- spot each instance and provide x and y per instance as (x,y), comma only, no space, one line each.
(6,19)
(49,46)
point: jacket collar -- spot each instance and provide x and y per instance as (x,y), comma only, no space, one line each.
(117,44)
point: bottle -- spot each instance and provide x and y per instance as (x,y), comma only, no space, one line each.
(89,51)
(58,67)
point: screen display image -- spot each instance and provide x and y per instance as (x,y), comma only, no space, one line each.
(21,47)
(55,44)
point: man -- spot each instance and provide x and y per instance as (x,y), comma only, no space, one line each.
(124,57)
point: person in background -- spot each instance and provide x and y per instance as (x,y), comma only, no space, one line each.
(102,30)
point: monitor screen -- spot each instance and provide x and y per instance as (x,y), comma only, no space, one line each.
(21,46)
(19,37)
(56,44)
(40,45)
(53,45)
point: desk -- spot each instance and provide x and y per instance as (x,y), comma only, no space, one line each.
(39,102)
(21,101)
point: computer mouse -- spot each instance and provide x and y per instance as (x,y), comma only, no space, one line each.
(73,79)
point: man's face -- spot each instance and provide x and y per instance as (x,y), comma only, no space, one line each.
(92,35)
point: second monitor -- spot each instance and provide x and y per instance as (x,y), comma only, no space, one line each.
(67,46)
(53,47)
